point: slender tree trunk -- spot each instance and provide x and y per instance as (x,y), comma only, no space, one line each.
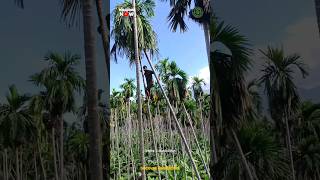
(54,155)
(17,165)
(117,139)
(3,166)
(7,167)
(151,122)
(206,30)
(196,139)
(95,159)
(35,165)
(136,48)
(244,160)
(214,113)
(177,123)
(104,35)
(130,137)
(61,156)
(105,42)
(85,172)
(153,139)
(41,162)
(21,161)
(290,147)
(172,142)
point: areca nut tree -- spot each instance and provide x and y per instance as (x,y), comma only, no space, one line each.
(201,14)
(60,81)
(16,124)
(281,90)
(228,81)
(132,37)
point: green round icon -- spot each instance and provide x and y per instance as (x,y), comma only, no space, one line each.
(197,12)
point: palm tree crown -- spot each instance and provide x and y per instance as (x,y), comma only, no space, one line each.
(122,32)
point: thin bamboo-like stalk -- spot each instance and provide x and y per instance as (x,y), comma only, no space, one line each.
(151,122)
(177,122)
(172,143)
(196,139)
(117,139)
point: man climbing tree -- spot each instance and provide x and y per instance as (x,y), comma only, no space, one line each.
(148,74)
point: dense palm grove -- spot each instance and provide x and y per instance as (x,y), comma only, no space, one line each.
(221,133)
(247,140)
(34,131)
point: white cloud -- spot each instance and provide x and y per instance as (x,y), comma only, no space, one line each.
(203,73)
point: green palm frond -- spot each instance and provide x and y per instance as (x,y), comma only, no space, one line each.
(234,41)
(278,81)
(309,121)
(180,9)
(71,11)
(263,153)
(128,87)
(231,98)
(16,124)
(177,14)
(122,31)
(197,84)
(60,80)
(307,158)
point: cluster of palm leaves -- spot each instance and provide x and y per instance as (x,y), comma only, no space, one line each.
(227,128)
(37,140)
(72,12)
(248,142)
(160,132)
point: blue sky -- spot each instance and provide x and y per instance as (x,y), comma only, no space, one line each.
(187,49)
(27,35)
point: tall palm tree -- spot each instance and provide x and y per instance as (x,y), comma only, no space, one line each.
(234,99)
(263,152)
(133,36)
(60,81)
(281,90)
(239,48)
(174,78)
(78,146)
(163,68)
(95,154)
(255,99)
(73,7)
(197,84)
(307,158)
(177,81)
(40,110)
(71,10)
(128,88)
(123,35)
(16,124)
(308,123)
(306,138)
(179,11)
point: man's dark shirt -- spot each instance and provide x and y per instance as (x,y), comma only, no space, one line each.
(148,74)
